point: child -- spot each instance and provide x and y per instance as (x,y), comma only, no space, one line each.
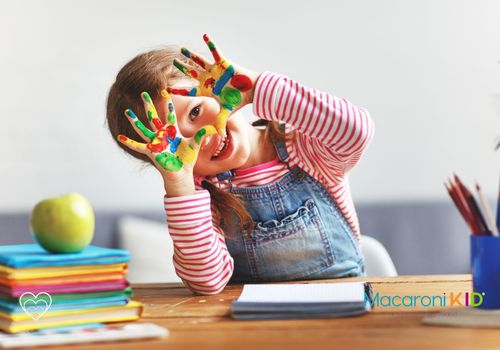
(244,204)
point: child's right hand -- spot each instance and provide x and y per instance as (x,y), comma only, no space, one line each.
(172,154)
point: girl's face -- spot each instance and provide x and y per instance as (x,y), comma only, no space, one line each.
(195,112)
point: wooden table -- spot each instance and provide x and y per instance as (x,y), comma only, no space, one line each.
(203,322)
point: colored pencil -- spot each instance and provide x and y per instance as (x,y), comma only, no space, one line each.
(458,188)
(474,208)
(488,216)
(459,206)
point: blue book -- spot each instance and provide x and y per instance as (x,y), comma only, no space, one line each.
(33,255)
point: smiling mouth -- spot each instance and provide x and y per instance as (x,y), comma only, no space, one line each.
(223,146)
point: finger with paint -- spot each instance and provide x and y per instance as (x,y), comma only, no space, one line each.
(183,92)
(216,54)
(151,112)
(188,70)
(132,144)
(155,140)
(146,134)
(202,133)
(221,121)
(171,117)
(198,59)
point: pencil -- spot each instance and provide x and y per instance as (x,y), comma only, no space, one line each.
(476,215)
(476,212)
(460,194)
(488,216)
(459,206)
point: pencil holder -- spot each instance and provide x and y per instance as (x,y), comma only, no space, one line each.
(485,264)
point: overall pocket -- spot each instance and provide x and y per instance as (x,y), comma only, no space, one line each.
(290,248)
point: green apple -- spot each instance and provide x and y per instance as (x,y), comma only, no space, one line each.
(63,224)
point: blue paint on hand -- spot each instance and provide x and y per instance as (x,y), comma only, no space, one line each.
(228,74)
(174,144)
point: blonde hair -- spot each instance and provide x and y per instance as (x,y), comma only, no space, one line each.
(153,71)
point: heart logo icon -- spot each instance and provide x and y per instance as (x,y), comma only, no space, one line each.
(35,305)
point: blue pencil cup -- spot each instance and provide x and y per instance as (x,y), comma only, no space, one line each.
(485,264)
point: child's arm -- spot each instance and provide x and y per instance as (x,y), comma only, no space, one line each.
(201,258)
(332,131)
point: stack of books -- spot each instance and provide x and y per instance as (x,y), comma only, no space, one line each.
(39,289)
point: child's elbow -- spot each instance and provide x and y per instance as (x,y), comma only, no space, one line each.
(206,289)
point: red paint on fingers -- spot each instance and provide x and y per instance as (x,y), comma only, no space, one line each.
(198,61)
(181,92)
(157,123)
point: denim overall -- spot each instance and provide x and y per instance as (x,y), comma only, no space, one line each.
(299,232)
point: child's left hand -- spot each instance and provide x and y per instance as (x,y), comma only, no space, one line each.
(232,86)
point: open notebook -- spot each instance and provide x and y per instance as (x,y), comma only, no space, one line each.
(312,300)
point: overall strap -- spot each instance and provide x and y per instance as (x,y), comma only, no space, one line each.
(280,145)
(229,174)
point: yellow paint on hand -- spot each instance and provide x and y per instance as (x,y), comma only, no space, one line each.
(220,122)
(132,144)
(165,94)
(186,152)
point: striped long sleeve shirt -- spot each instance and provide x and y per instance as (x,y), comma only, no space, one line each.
(331,134)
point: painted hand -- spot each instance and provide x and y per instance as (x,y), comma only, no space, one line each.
(165,145)
(230,85)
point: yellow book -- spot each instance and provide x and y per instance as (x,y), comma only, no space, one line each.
(61,280)
(59,271)
(14,323)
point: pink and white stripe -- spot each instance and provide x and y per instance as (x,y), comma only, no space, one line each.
(332,133)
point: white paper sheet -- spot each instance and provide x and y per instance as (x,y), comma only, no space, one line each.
(303,293)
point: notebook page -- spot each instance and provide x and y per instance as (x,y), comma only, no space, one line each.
(303,293)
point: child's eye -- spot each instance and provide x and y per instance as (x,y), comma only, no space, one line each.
(194,112)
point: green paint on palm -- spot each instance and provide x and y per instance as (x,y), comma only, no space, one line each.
(230,97)
(169,162)
(199,135)
(145,131)
(171,118)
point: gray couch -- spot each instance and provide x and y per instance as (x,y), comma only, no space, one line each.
(422,237)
